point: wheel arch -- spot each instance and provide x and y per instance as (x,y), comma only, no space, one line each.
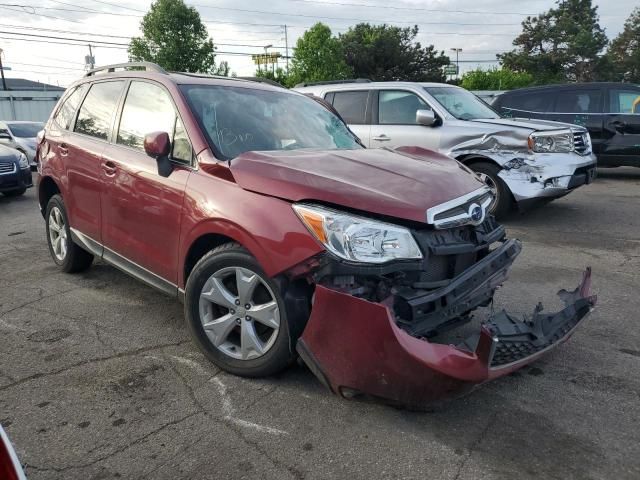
(199,248)
(470,159)
(47,188)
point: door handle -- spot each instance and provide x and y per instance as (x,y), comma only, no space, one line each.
(109,168)
(618,124)
(64,151)
(381,138)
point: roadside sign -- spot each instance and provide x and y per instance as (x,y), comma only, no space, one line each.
(451,69)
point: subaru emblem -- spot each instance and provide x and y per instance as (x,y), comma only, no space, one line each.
(476,213)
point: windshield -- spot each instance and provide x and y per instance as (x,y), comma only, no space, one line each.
(461,103)
(25,130)
(239,119)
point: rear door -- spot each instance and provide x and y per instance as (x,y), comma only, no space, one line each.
(582,106)
(355,108)
(80,151)
(141,209)
(621,135)
(394,121)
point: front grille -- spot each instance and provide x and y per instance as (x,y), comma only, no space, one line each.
(6,168)
(581,142)
(457,212)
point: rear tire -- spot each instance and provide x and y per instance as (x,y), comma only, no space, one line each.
(66,254)
(247,331)
(503,203)
(15,193)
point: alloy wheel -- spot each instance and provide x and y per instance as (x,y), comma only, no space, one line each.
(239,313)
(57,234)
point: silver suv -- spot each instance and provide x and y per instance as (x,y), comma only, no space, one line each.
(523,161)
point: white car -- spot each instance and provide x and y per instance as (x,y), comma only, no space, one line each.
(523,161)
(21,136)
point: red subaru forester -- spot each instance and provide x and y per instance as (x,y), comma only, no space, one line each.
(284,235)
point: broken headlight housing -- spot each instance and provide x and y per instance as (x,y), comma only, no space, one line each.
(560,141)
(358,239)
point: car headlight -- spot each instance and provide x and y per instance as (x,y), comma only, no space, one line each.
(24,161)
(558,142)
(358,239)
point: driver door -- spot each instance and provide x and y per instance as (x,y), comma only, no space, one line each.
(394,121)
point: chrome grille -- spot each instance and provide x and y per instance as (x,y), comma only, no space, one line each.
(6,168)
(459,211)
(581,143)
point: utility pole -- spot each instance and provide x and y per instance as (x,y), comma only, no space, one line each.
(286,47)
(457,50)
(4,82)
(89,60)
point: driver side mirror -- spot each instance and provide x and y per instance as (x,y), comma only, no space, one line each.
(158,145)
(426,117)
(5,135)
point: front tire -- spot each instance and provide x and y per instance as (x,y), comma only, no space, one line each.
(67,255)
(236,313)
(503,203)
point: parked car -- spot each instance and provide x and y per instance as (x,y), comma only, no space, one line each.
(610,111)
(21,136)
(260,209)
(523,162)
(10,467)
(15,174)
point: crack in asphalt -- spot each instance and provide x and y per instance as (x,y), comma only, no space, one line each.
(90,361)
(261,397)
(474,445)
(40,297)
(116,451)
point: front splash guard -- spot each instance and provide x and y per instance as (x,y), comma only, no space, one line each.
(354,346)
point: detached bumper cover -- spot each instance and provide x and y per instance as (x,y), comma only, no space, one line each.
(354,346)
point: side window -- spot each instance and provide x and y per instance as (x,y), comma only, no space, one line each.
(147,108)
(352,106)
(579,101)
(67,111)
(181,146)
(98,108)
(397,107)
(539,102)
(624,101)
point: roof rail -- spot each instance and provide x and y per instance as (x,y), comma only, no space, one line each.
(147,66)
(333,82)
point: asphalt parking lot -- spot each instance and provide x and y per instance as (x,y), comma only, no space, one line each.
(99,380)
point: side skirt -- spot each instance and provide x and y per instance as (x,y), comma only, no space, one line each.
(124,264)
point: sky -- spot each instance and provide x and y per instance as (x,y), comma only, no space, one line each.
(240,28)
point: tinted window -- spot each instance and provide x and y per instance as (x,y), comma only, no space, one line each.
(624,101)
(530,101)
(98,108)
(352,106)
(25,130)
(67,111)
(147,108)
(242,119)
(579,101)
(398,107)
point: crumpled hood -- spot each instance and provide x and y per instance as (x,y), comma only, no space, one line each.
(534,125)
(400,183)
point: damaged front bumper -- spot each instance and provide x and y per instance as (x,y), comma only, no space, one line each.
(547,176)
(355,346)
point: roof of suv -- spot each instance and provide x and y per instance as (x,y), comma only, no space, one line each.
(572,86)
(368,85)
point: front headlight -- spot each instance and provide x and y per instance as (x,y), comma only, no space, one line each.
(558,142)
(358,239)
(24,161)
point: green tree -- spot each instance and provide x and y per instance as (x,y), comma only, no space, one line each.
(385,52)
(624,51)
(174,37)
(279,75)
(318,56)
(495,79)
(563,44)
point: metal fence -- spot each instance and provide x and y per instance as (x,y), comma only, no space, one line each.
(35,106)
